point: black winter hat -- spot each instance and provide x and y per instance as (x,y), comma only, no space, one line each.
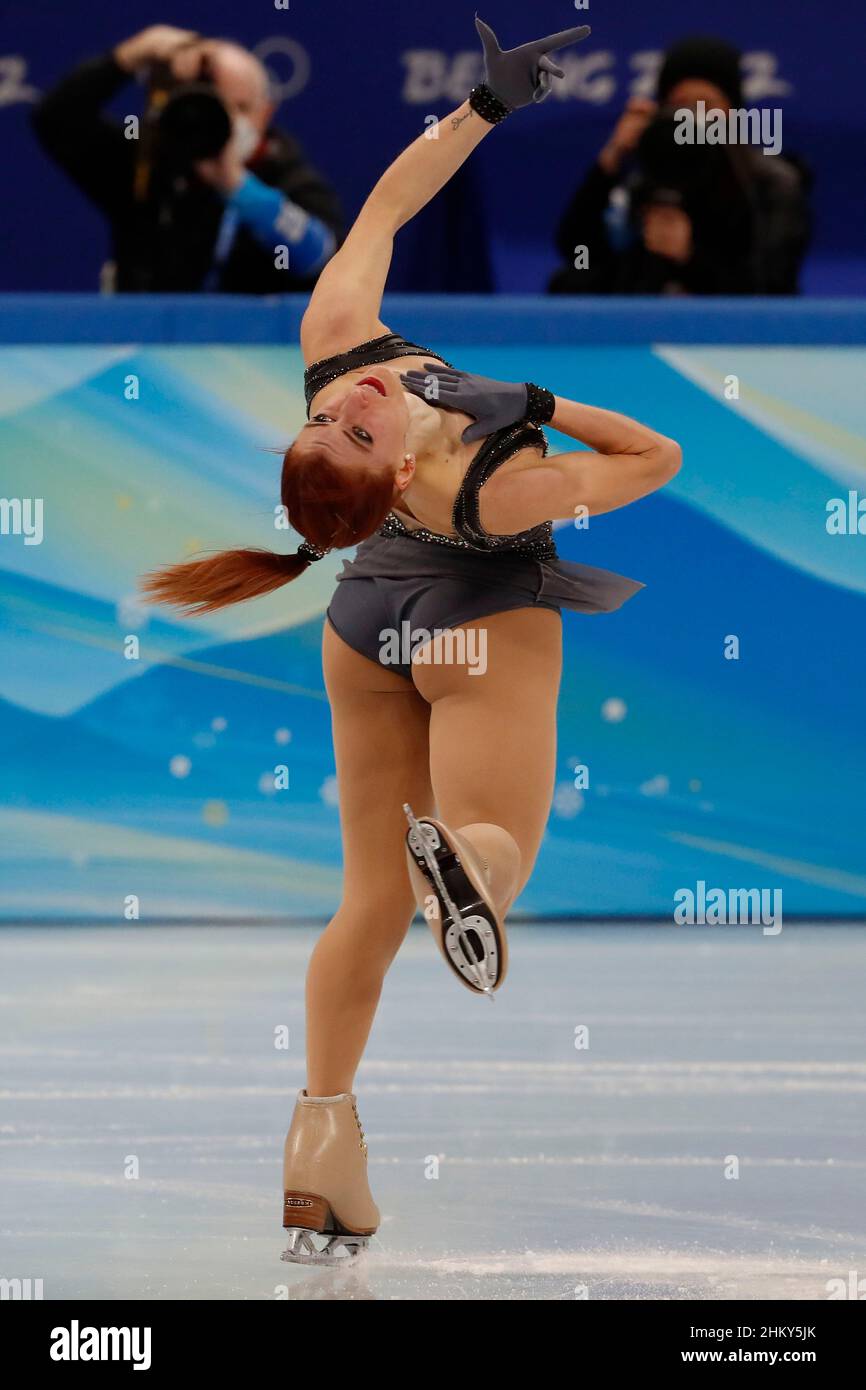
(715,60)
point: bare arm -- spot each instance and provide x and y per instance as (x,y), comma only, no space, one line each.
(346,302)
(625,461)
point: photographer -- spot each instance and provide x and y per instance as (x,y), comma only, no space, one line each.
(209,190)
(662,218)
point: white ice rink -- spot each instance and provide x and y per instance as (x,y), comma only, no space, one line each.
(562,1173)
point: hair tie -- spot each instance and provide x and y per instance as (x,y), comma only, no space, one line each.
(310,552)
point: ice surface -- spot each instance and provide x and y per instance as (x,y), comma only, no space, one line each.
(562,1174)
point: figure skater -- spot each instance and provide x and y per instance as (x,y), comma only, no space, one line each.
(441,480)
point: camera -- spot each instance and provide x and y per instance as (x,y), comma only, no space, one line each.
(189,121)
(706,181)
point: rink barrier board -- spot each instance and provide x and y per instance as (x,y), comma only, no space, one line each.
(468,319)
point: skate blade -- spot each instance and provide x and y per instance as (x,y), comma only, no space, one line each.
(322,1248)
(469,943)
(481,940)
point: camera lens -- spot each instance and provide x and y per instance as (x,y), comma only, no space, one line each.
(194,123)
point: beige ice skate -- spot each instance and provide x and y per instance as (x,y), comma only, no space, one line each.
(328,1211)
(466,925)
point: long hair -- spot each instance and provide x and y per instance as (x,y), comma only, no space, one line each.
(331,506)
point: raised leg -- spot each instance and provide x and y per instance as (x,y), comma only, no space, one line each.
(493,743)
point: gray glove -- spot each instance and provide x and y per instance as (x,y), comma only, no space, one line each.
(521,75)
(494,404)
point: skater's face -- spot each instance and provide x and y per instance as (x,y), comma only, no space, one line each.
(361,422)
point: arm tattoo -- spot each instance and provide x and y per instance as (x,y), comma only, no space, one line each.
(458,120)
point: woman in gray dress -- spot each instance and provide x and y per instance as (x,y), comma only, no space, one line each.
(442,645)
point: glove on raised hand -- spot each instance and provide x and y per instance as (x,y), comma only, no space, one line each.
(518,76)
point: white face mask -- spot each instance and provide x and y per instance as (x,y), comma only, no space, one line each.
(246,137)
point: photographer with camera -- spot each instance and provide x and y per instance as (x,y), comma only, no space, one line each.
(661,217)
(208,191)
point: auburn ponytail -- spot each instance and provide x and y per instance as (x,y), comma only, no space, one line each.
(201,586)
(330,506)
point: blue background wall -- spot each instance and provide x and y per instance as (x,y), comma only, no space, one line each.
(359,81)
(150,777)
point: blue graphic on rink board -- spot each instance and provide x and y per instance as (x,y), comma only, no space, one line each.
(154,777)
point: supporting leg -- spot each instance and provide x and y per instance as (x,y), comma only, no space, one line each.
(380,728)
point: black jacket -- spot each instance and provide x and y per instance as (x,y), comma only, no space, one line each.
(165,241)
(748,241)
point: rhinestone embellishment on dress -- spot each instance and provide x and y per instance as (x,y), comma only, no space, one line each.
(537,543)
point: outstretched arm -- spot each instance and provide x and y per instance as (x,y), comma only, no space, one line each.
(344,308)
(347,300)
